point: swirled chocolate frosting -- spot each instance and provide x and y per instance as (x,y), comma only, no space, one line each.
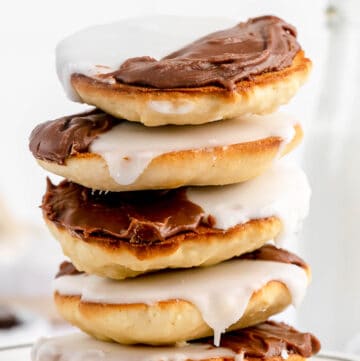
(142,216)
(56,140)
(270,339)
(260,45)
(271,253)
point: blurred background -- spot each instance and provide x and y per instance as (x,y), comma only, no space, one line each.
(328,106)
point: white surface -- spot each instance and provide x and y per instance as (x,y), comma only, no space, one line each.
(221,302)
(31,328)
(17,354)
(128,148)
(332,161)
(23,354)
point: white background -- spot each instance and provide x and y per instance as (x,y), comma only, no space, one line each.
(31,93)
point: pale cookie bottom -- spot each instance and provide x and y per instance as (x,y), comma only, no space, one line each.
(124,259)
(216,166)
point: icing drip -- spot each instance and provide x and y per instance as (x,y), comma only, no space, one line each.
(222,302)
(128,148)
(282,191)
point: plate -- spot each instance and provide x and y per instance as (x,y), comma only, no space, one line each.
(22,353)
(15,353)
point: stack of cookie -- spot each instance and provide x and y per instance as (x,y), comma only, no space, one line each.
(173,193)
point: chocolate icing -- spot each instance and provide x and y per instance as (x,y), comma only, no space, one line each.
(67,269)
(271,253)
(269,339)
(222,58)
(56,140)
(143,216)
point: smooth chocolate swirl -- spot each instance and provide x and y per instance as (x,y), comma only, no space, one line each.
(56,140)
(269,339)
(222,58)
(142,216)
(272,253)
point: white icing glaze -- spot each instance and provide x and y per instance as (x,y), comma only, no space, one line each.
(221,292)
(284,354)
(79,347)
(168,107)
(282,191)
(103,48)
(128,148)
